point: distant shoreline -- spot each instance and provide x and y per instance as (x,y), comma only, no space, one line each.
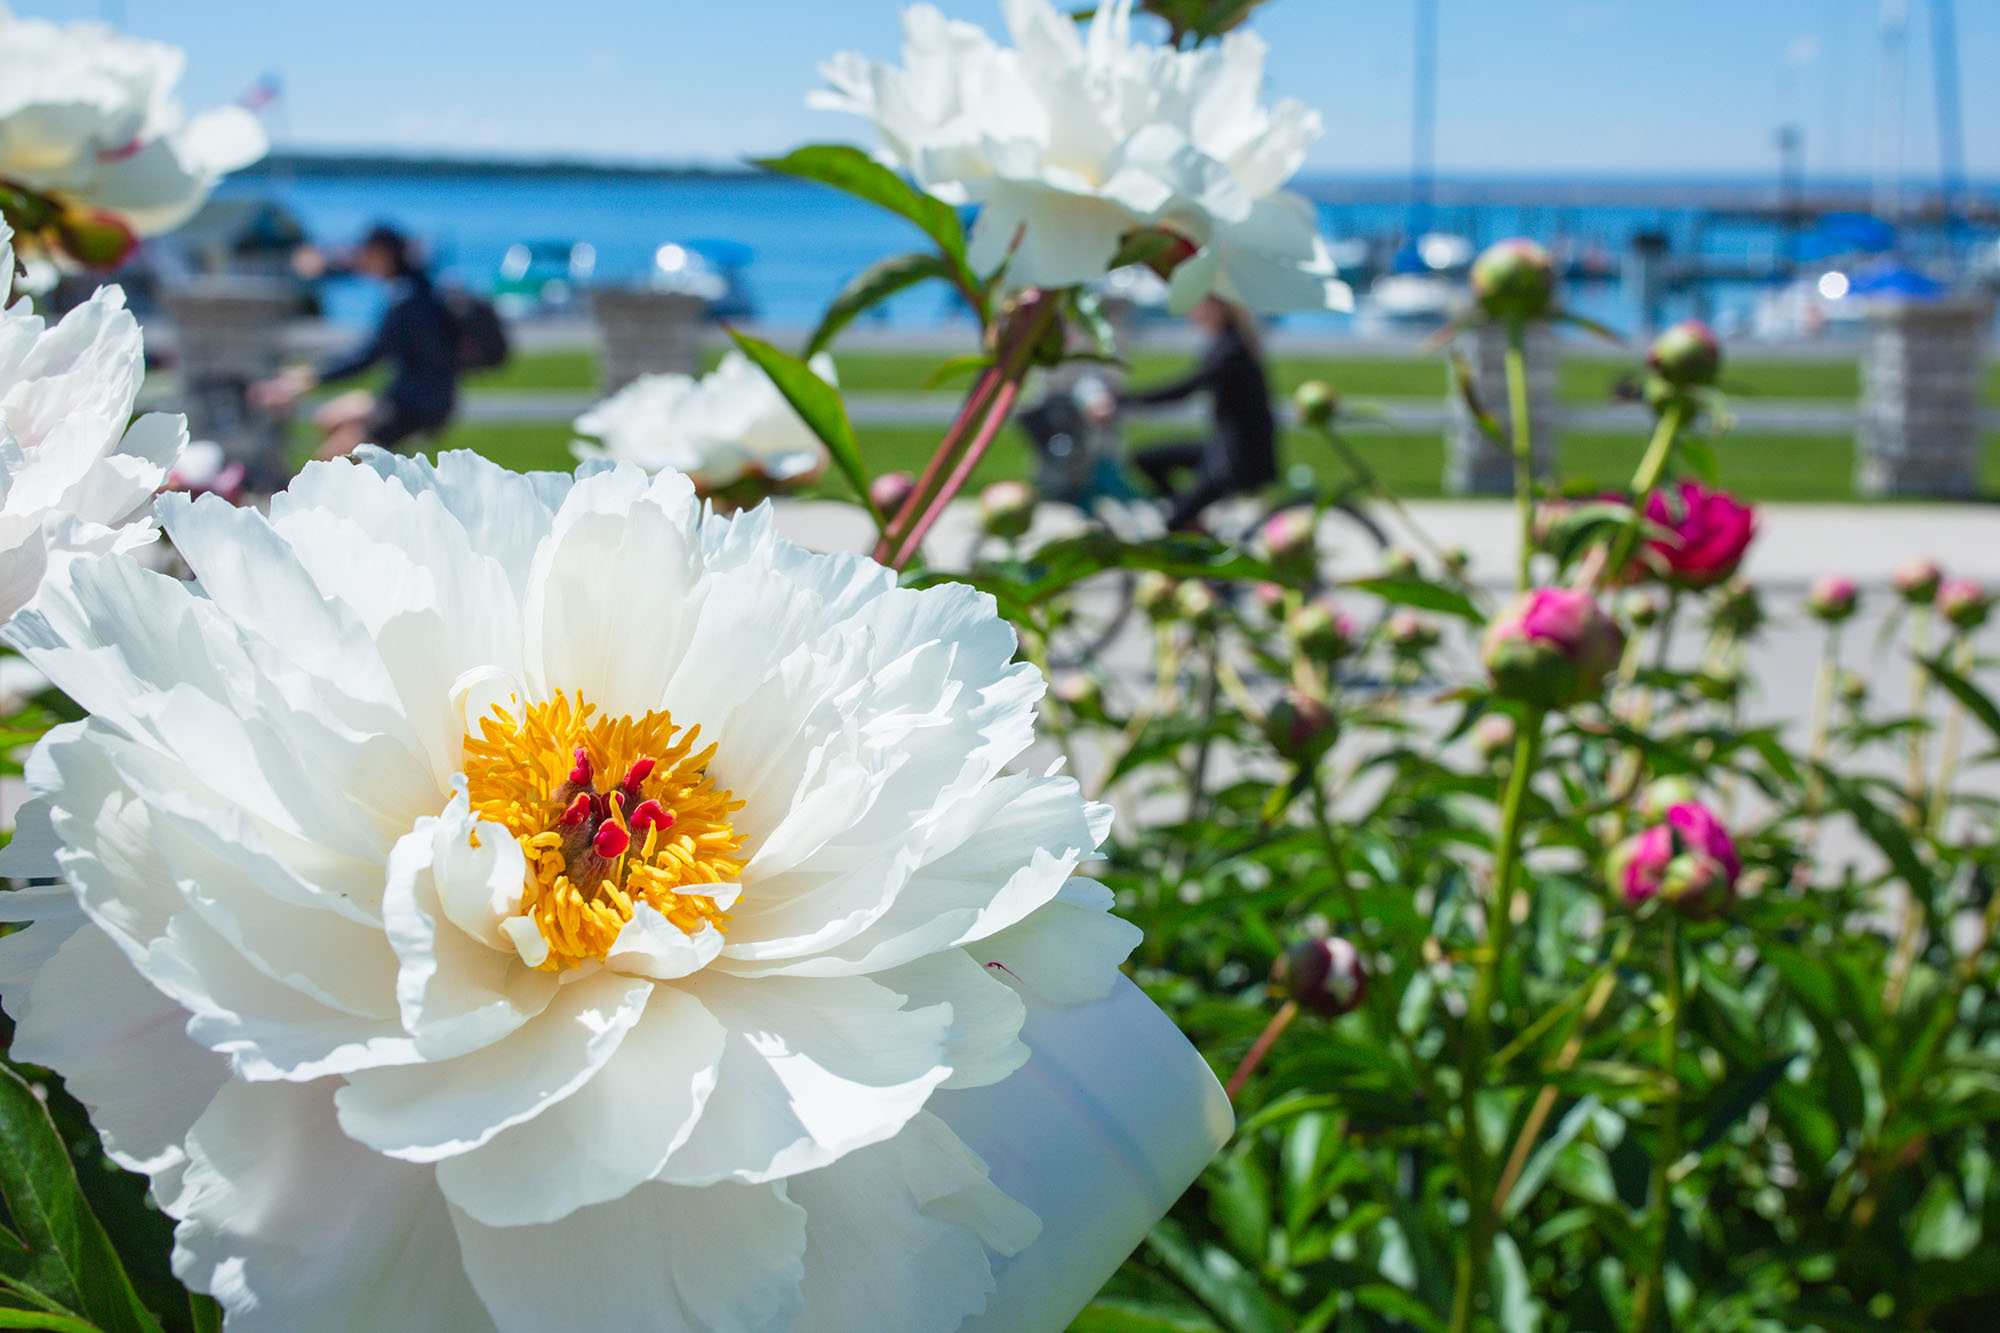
(1448,191)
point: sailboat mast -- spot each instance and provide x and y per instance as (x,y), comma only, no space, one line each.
(1950,126)
(1889,110)
(1423,120)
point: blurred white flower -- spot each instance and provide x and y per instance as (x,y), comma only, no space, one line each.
(1075,143)
(509,901)
(88,116)
(730,424)
(73,476)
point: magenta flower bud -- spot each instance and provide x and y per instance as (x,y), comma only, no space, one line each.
(1832,598)
(1553,647)
(1963,602)
(1688,860)
(1322,976)
(1916,580)
(1687,355)
(1321,630)
(1493,735)
(1514,281)
(1301,727)
(1316,402)
(1711,531)
(1153,594)
(1007,509)
(1289,540)
(891,491)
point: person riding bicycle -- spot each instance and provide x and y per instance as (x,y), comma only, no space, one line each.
(1240,455)
(417,339)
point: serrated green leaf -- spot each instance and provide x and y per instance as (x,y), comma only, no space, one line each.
(70,1259)
(819,406)
(874,285)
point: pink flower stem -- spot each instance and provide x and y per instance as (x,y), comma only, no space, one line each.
(920,494)
(1261,1048)
(997,413)
(1524,448)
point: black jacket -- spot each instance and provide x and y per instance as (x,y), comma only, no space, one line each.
(417,340)
(1234,378)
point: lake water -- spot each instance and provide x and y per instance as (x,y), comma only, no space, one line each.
(806,241)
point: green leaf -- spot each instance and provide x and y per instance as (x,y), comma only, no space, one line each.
(1745,1093)
(1422,594)
(1109,1316)
(204,1313)
(70,1259)
(875,284)
(818,404)
(848,169)
(54,1323)
(1963,690)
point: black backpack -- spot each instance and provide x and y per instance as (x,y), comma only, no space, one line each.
(478,336)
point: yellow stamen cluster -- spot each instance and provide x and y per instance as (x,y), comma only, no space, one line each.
(576,790)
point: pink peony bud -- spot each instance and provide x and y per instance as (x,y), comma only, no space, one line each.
(1409,634)
(1687,355)
(1916,580)
(1007,509)
(1832,598)
(1553,647)
(1514,281)
(1300,726)
(1711,531)
(1963,602)
(1322,976)
(1688,861)
(891,491)
(1289,541)
(1321,630)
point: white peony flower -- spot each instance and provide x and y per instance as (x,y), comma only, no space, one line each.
(509,901)
(73,476)
(729,424)
(1075,143)
(88,116)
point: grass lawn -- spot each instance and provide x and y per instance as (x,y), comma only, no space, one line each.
(1761,467)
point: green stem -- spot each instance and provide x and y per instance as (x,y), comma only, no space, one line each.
(1820,728)
(1474,1259)
(1920,687)
(1524,448)
(1948,747)
(1660,1224)
(1644,481)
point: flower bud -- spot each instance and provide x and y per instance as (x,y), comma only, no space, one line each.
(1707,534)
(95,239)
(1154,594)
(1687,860)
(1493,735)
(1553,647)
(1007,509)
(1916,580)
(1195,602)
(1852,687)
(1832,598)
(891,491)
(1397,563)
(1322,976)
(1409,634)
(1640,609)
(1301,727)
(1290,541)
(1719,684)
(1316,402)
(1321,630)
(1963,602)
(1457,561)
(1687,355)
(1738,608)
(1269,595)
(1663,795)
(1079,690)
(1514,281)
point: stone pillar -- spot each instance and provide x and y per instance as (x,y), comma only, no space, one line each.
(227,335)
(1475,464)
(1920,389)
(645,332)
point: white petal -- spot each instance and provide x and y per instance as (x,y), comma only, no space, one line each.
(1067,951)
(424,1113)
(897,1234)
(986,1014)
(601,1142)
(660,1260)
(296,1228)
(649,945)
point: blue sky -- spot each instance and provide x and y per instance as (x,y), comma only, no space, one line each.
(1585,86)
